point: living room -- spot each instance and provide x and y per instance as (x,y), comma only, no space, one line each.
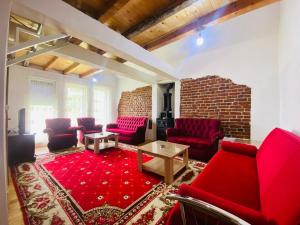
(121,129)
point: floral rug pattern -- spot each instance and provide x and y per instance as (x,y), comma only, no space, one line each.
(44,202)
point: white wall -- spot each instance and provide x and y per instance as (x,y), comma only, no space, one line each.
(19,89)
(289,65)
(243,49)
(4,18)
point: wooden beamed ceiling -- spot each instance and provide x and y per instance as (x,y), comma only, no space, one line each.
(153,24)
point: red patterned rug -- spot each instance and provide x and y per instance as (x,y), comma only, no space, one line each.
(86,188)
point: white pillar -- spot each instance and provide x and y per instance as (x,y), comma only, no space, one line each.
(177,99)
(289,67)
(4,18)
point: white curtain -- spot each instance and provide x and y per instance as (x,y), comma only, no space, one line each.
(101,105)
(42,105)
(76,102)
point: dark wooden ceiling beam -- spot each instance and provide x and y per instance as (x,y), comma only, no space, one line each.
(218,16)
(113,6)
(162,15)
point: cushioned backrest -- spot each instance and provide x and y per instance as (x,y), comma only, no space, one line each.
(58,125)
(278,164)
(197,127)
(131,123)
(87,122)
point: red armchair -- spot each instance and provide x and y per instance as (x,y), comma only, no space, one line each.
(202,135)
(260,187)
(60,133)
(87,126)
(131,129)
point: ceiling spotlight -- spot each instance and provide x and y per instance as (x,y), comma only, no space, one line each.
(94,80)
(200,39)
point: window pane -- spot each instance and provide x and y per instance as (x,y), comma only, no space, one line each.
(76,102)
(42,105)
(100,105)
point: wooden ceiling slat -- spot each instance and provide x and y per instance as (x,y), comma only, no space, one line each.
(88,73)
(51,63)
(178,5)
(71,68)
(112,9)
(220,15)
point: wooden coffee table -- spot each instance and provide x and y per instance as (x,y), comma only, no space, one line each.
(164,162)
(101,141)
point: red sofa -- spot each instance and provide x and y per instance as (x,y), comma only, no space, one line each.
(60,133)
(131,130)
(202,135)
(259,186)
(87,126)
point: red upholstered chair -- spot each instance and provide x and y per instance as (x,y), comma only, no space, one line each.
(87,126)
(60,133)
(260,187)
(202,135)
(131,129)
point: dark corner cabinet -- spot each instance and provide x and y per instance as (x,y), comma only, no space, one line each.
(20,148)
(162,125)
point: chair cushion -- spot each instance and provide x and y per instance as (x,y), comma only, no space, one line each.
(194,142)
(231,176)
(122,132)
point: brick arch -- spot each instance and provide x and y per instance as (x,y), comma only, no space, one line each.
(217,97)
(136,103)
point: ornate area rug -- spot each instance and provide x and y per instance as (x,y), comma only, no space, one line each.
(84,188)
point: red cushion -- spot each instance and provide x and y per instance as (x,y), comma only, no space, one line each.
(122,132)
(192,141)
(231,176)
(278,162)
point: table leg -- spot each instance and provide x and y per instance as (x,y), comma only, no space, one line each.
(169,171)
(117,141)
(186,157)
(96,146)
(140,161)
(86,142)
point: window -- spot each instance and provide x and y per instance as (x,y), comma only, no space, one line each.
(42,105)
(101,106)
(76,102)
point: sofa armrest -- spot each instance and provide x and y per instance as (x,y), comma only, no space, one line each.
(49,131)
(75,128)
(216,135)
(250,215)
(81,128)
(98,127)
(239,148)
(173,132)
(112,125)
(205,208)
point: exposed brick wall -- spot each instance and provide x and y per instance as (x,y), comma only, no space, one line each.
(216,97)
(136,103)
